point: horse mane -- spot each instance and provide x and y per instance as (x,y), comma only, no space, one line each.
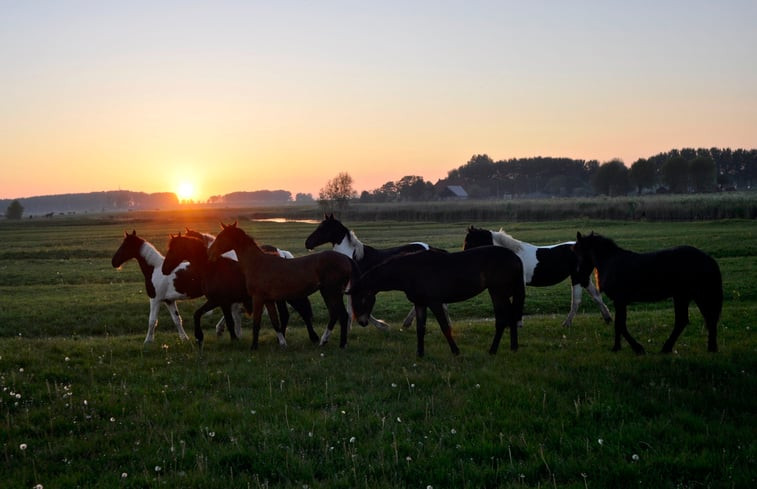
(151,254)
(359,247)
(501,238)
(603,241)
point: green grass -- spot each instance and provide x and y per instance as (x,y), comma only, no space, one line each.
(89,403)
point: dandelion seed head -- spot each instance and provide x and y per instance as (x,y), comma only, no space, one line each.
(23,447)
(635,457)
(124,475)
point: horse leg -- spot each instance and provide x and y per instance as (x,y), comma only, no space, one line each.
(199,336)
(575,302)
(305,310)
(597,297)
(621,311)
(710,307)
(443,319)
(274,316)
(152,321)
(335,304)
(681,308)
(236,314)
(230,321)
(257,314)
(409,318)
(174,312)
(281,307)
(220,326)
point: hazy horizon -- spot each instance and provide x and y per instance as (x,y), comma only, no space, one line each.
(231,95)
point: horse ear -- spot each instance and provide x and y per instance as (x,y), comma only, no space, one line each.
(331,216)
(578,236)
(470,228)
(133,232)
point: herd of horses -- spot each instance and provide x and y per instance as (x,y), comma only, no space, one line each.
(235,273)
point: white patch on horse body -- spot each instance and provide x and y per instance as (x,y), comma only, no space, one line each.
(285,254)
(525,251)
(165,292)
(421,243)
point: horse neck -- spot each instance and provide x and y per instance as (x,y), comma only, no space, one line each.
(247,249)
(350,246)
(149,259)
(501,238)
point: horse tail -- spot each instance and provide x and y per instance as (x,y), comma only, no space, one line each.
(519,299)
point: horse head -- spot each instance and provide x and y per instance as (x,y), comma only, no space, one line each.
(362,300)
(230,237)
(183,248)
(129,249)
(330,230)
(477,237)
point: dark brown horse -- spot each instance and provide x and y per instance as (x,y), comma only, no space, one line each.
(684,273)
(270,279)
(430,279)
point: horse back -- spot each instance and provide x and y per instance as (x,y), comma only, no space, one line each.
(683,271)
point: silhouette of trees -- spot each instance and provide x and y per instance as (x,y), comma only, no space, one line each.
(702,173)
(675,174)
(611,178)
(337,192)
(642,174)
(14,210)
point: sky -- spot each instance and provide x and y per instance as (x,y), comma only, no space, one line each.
(223,96)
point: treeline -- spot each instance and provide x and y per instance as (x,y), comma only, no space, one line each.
(677,171)
(114,200)
(254,197)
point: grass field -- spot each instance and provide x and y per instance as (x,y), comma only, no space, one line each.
(84,404)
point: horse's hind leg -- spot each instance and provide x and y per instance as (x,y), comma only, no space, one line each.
(274,316)
(408,321)
(281,307)
(711,307)
(444,323)
(681,308)
(174,312)
(231,321)
(575,302)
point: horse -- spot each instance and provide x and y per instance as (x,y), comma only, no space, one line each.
(182,282)
(544,266)
(431,279)
(301,305)
(270,279)
(222,282)
(684,273)
(343,240)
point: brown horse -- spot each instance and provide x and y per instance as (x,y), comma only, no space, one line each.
(270,279)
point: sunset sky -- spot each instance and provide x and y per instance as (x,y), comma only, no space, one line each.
(224,96)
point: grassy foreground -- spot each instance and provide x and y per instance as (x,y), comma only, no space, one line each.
(83,404)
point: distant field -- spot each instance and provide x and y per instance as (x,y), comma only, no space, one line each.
(83,404)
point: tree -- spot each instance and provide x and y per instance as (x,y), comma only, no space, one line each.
(14,211)
(338,191)
(702,172)
(642,174)
(611,178)
(303,197)
(675,174)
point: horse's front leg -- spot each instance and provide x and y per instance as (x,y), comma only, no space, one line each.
(443,319)
(152,321)
(681,308)
(621,311)
(305,310)
(409,318)
(228,316)
(283,310)
(420,328)
(575,303)
(274,315)
(173,310)
(597,297)
(197,316)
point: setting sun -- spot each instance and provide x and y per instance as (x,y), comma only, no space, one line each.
(185,191)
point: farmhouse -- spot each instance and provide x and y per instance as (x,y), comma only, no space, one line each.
(453,192)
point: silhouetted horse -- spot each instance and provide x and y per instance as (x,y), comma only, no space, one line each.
(343,240)
(684,273)
(270,278)
(430,279)
(182,282)
(543,266)
(302,305)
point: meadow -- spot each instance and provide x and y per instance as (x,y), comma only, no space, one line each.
(83,403)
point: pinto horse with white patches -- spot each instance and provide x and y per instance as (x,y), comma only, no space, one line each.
(431,279)
(269,279)
(183,282)
(684,273)
(343,240)
(544,266)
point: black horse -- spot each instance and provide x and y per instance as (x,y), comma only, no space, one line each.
(684,273)
(343,240)
(223,284)
(431,279)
